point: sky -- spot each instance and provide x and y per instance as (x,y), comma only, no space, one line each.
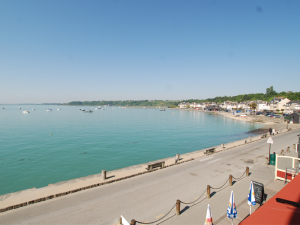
(73,50)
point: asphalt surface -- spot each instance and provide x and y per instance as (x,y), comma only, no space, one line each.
(150,196)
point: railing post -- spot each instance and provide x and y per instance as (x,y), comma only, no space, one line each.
(208,191)
(230,180)
(178,207)
(133,222)
(247,171)
(103,174)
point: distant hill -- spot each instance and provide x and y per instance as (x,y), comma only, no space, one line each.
(270,93)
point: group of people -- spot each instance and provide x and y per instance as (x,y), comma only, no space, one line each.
(272,131)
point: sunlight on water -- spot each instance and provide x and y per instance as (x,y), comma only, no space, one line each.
(43,147)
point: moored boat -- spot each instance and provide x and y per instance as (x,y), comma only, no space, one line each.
(25,111)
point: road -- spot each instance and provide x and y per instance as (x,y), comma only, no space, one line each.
(147,197)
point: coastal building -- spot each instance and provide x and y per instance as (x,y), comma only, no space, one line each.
(292,106)
(294,118)
(263,106)
(184,105)
(213,108)
(278,103)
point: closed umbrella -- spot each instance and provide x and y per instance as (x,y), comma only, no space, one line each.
(251,196)
(231,210)
(208,220)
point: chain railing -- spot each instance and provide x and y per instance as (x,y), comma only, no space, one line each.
(134,222)
(221,186)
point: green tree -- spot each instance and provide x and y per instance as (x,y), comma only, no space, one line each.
(253,106)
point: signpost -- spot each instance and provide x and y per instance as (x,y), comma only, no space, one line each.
(259,192)
(270,141)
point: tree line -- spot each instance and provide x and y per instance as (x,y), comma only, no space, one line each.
(268,96)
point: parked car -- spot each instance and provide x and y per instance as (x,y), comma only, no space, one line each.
(276,116)
(259,113)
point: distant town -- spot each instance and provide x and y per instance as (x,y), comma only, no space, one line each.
(283,102)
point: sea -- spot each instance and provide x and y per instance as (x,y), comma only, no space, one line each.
(44,147)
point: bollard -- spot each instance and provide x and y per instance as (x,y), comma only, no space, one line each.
(177,158)
(247,171)
(230,180)
(208,191)
(178,207)
(103,174)
(133,222)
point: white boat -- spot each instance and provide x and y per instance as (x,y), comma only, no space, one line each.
(49,110)
(25,111)
(19,107)
(3,108)
(33,109)
(58,109)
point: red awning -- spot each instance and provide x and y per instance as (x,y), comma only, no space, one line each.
(273,212)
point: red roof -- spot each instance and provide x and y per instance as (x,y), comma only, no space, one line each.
(273,212)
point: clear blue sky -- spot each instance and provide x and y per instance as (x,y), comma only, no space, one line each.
(61,51)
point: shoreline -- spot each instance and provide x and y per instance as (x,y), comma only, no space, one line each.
(34,195)
(26,197)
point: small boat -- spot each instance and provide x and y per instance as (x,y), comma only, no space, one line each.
(58,109)
(33,109)
(19,107)
(25,111)
(99,107)
(49,110)
(3,108)
(88,111)
(163,110)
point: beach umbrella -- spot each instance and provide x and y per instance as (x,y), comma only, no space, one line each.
(208,220)
(124,221)
(231,210)
(251,196)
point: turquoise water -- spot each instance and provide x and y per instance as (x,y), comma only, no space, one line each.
(82,144)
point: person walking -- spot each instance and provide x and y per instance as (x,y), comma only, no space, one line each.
(270,130)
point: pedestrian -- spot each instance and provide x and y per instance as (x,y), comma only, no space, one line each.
(270,130)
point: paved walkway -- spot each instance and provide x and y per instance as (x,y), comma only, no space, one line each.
(196,213)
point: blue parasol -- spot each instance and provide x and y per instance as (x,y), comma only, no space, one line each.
(251,196)
(231,210)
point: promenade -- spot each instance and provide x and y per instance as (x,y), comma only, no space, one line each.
(150,196)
